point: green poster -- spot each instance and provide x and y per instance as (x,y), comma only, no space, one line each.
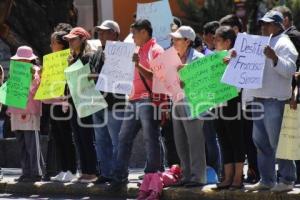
(86,98)
(15,91)
(202,83)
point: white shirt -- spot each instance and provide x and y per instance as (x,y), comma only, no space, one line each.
(277,79)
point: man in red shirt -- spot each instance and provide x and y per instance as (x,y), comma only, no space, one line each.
(141,112)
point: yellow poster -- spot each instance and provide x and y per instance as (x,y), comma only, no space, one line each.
(289,140)
(53,79)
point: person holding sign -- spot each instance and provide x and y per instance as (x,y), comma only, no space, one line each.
(140,113)
(60,133)
(228,126)
(83,132)
(281,56)
(188,133)
(107,121)
(294,35)
(26,123)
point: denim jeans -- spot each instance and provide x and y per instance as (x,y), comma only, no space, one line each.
(107,127)
(266,131)
(138,114)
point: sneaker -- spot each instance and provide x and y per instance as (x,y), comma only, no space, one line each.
(102,180)
(153,196)
(259,187)
(282,187)
(141,177)
(58,177)
(116,186)
(68,177)
(88,179)
(21,178)
(193,184)
(46,178)
(32,179)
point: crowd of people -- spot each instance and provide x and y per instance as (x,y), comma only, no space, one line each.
(101,154)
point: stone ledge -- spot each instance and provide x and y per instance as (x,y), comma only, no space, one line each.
(205,193)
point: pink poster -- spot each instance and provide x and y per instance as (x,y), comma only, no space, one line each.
(165,76)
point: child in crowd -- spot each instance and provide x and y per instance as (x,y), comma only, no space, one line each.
(26,123)
(153,183)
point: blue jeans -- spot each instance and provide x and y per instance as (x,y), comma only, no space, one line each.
(266,130)
(107,139)
(138,114)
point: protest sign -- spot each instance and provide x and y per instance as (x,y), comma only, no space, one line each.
(165,75)
(160,16)
(246,70)
(202,83)
(53,78)
(118,70)
(129,38)
(15,91)
(289,140)
(85,97)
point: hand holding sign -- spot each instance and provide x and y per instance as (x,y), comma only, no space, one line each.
(270,53)
(136,59)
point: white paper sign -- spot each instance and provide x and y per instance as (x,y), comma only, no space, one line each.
(129,38)
(246,69)
(160,15)
(118,70)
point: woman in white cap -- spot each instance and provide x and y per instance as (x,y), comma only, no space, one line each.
(188,133)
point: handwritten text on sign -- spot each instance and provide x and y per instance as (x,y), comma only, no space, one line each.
(166,79)
(15,91)
(203,87)
(85,97)
(118,70)
(53,78)
(246,70)
(289,140)
(160,16)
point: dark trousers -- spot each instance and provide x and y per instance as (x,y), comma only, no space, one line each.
(250,149)
(168,135)
(62,134)
(230,133)
(30,153)
(84,138)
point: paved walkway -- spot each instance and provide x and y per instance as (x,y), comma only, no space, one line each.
(7,185)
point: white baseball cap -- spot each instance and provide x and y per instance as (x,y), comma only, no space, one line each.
(109,24)
(184,32)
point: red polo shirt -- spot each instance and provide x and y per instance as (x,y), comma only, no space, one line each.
(147,52)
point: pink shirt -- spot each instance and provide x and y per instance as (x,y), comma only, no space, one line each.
(33,106)
(147,52)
